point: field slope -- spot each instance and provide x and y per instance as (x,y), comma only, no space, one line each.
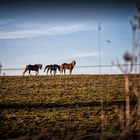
(60,106)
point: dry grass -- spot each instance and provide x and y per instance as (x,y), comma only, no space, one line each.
(66,106)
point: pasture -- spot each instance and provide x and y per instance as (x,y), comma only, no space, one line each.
(61,106)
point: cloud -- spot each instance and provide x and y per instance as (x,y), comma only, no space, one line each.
(39,58)
(86,54)
(52,30)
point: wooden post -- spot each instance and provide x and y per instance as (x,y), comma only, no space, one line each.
(127,99)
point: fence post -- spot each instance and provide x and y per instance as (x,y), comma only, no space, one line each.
(0,68)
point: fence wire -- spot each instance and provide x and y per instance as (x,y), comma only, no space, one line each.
(90,69)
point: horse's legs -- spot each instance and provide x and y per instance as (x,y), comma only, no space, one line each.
(54,72)
(29,72)
(64,71)
(36,72)
(70,71)
(24,72)
(47,71)
(61,70)
(51,71)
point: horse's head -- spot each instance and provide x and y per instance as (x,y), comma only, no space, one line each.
(73,63)
(59,68)
(40,66)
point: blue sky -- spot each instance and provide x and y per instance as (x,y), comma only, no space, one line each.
(49,32)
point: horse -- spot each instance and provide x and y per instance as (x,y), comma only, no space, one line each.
(52,68)
(35,68)
(69,66)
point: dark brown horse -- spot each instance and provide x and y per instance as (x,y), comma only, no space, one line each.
(30,68)
(52,68)
(69,66)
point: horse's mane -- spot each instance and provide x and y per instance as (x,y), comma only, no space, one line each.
(39,65)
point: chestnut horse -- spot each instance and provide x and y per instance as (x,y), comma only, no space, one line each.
(69,66)
(52,68)
(35,68)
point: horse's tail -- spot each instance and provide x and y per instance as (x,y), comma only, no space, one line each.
(26,68)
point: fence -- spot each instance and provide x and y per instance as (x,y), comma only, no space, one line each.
(96,69)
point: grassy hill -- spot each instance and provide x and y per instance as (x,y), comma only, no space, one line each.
(64,106)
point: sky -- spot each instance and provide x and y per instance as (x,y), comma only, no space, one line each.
(58,31)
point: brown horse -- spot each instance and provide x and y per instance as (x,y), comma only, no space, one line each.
(52,68)
(35,68)
(69,66)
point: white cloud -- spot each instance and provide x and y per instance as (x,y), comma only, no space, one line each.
(86,54)
(52,30)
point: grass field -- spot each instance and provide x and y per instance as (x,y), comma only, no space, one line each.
(67,106)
